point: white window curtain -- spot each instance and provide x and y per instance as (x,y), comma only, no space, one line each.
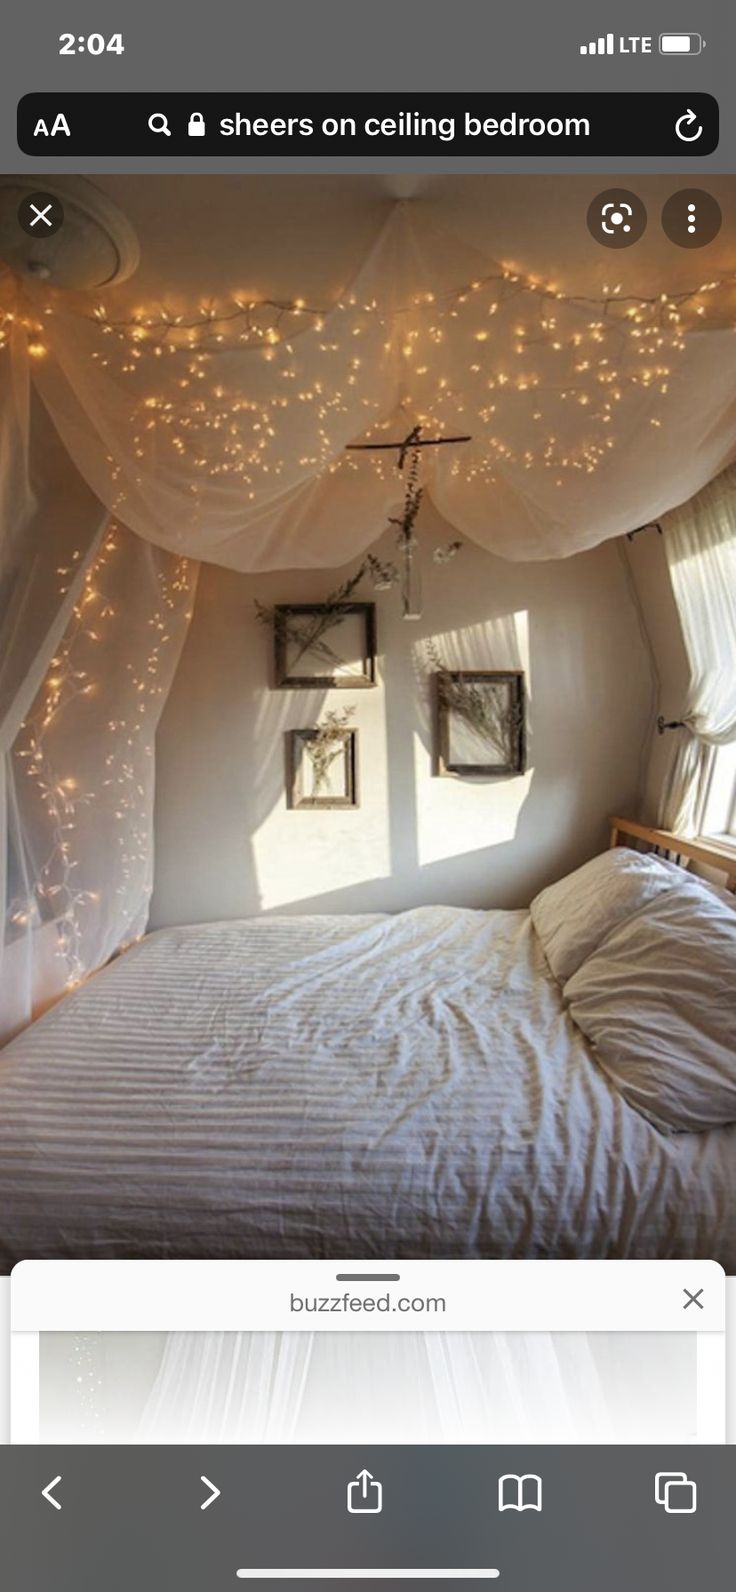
(700,545)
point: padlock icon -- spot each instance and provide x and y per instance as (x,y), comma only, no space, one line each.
(196,125)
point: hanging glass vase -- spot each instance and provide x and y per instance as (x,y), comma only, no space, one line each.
(411,582)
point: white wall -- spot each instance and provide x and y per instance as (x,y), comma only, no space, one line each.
(226,845)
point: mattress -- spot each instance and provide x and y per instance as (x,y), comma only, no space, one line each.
(409,1086)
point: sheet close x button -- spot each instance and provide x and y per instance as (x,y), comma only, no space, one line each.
(41,215)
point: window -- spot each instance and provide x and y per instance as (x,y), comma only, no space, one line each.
(719,817)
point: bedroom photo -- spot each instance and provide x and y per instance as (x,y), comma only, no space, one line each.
(368,711)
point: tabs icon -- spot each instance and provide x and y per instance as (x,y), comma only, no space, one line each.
(675,1493)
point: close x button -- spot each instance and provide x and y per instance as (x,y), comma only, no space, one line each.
(41,215)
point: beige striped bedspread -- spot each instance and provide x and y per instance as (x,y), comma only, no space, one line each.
(339,1086)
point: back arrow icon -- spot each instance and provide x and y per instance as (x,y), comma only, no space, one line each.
(687,121)
(214,1492)
(47,1491)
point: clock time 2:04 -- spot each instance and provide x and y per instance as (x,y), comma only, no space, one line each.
(91,44)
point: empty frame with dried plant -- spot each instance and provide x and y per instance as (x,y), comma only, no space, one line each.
(323,764)
(480,722)
(324,646)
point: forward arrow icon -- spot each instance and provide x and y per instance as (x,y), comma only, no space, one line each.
(213,1490)
(47,1491)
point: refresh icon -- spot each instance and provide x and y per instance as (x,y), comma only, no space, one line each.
(686,121)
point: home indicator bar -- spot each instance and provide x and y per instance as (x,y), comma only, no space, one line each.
(368,1575)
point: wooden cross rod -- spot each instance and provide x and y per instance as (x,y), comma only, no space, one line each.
(409,443)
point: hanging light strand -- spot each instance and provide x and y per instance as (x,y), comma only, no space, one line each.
(58,894)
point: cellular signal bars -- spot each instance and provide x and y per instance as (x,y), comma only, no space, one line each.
(604,46)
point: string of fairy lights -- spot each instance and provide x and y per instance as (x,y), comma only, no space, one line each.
(503,356)
(502,353)
(123,745)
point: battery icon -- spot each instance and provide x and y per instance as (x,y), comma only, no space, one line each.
(681,43)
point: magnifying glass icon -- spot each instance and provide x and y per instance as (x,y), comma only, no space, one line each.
(158,123)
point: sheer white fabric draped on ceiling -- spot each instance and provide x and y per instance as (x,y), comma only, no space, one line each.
(219,432)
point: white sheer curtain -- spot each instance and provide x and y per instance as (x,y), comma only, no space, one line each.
(373,1387)
(46,540)
(700,545)
(299,1387)
(80,776)
(228,1387)
(458,1387)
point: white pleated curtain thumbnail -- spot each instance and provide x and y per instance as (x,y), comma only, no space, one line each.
(700,544)
(192,439)
(281,1387)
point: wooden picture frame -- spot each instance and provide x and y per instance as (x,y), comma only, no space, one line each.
(316,664)
(341,786)
(462,735)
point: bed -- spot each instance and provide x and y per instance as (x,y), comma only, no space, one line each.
(411,1085)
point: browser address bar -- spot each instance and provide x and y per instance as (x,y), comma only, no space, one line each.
(364,124)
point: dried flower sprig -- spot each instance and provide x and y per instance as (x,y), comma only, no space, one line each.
(326,744)
(383,575)
(484,707)
(442,555)
(307,632)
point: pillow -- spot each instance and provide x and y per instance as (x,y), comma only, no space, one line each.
(658,1001)
(574,915)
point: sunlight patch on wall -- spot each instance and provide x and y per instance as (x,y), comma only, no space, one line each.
(472,814)
(501,642)
(309,856)
(449,824)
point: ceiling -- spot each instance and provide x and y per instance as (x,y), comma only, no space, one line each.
(292,235)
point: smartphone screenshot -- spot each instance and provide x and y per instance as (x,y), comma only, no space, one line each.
(367,796)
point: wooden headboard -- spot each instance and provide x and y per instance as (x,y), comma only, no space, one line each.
(677,849)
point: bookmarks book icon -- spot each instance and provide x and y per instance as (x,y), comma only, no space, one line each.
(519,1492)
